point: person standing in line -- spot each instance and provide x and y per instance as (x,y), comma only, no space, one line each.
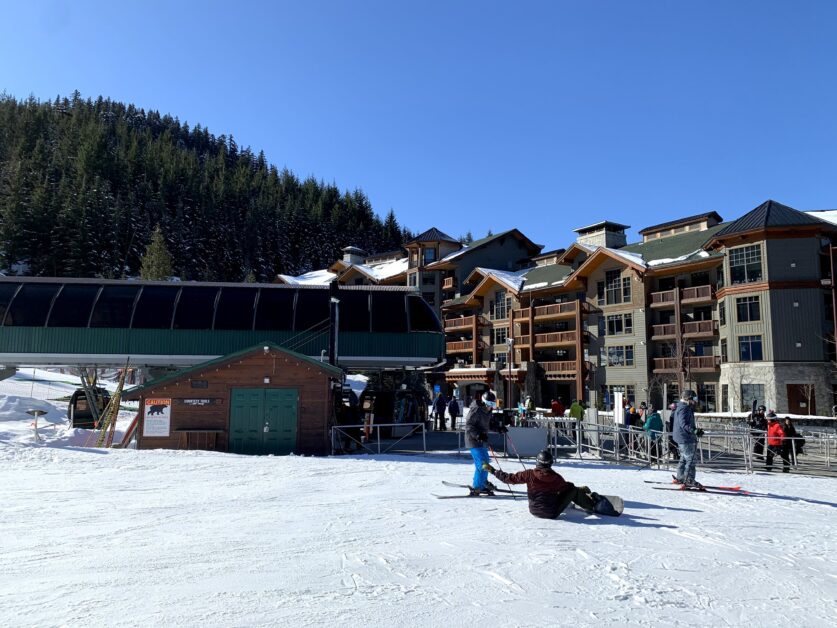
(653,427)
(775,438)
(686,436)
(453,411)
(557,408)
(792,443)
(477,423)
(758,428)
(577,414)
(439,406)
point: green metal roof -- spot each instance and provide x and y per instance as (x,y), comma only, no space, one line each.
(549,275)
(672,247)
(324,366)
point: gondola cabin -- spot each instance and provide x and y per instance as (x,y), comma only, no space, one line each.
(262,400)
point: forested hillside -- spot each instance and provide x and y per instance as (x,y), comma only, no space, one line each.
(83,184)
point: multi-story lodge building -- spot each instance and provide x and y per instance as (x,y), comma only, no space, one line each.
(737,311)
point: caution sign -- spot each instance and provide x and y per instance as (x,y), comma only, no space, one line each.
(157,418)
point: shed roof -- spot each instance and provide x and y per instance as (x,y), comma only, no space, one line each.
(134,393)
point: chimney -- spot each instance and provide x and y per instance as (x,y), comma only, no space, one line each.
(353,255)
(605,233)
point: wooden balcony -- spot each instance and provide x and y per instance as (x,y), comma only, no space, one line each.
(522,341)
(663,332)
(662,299)
(697,364)
(700,329)
(461,322)
(555,339)
(449,283)
(696,295)
(556,310)
(521,313)
(460,346)
(565,369)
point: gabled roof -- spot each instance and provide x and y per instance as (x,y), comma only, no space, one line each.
(509,279)
(321,277)
(432,235)
(203,366)
(548,276)
(681,221)
(769,214)
(533,249)
(673,249)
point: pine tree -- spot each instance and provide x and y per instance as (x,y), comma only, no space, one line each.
(156,263)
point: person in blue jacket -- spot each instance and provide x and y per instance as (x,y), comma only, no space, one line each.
(477,424)
(686,435)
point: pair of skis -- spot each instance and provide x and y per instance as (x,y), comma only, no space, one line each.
(707,488)
(496,490)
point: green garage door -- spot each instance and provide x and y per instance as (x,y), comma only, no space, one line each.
(263,420)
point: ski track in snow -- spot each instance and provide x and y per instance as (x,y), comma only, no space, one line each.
(93,537)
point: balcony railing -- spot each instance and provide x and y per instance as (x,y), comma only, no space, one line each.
(449,283)
(556,310)
(665,297)
(564,366)
(555,338)
(700,328)
(463,322)
(698,293)
(521,313)
(695,363)
(663,331)
(521,341)
(460,346)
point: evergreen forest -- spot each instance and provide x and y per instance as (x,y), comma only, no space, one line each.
(84,184)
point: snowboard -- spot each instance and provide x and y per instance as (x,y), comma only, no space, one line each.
(609,505)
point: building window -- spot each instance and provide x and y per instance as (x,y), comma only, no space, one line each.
(628,392)
(429,255)
(750,393)
(724,353)
(701,348)
(745,264)
(722,312)
(600,293)
(500,306)
(499,358)
(672,392)
(720,282)
(412,280)
(602,330)
(620,356)
(499,335)
(626,289)
(749,348)
(428,279)
(613,287)
(707,396)
(620,324)
(748,309)
(724,397)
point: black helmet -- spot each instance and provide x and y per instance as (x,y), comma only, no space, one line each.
(545,459)
(762,409)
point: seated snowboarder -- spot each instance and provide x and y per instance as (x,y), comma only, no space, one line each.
(549,493)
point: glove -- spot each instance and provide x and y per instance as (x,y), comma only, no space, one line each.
(502,429)
(699,432)
(482,438)
(584,489)
(488,467)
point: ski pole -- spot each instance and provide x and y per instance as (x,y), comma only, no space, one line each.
(499,468)
(516,453)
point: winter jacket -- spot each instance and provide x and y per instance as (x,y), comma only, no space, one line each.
(653,425)
(577,412)
(775,434)
(683,430)
(757,423)
(557,408)
(453,407)
(543,487)
(440,404)
(476,425)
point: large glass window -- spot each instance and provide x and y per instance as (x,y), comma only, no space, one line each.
(312,310)
(619,324)
(749,348)
(422,318)
(745,264)
(500,335)
(275,310)
(750,393)
(235,308)
(748,309)
(31,305)
(7,291)
(620,356)
(722,312)
(724,397)
(195,308)
(72,305)
(388,312)
(114,307)
(429,255)
(354,311)
(155,307)
(613,287)
(500,306)
(724,352)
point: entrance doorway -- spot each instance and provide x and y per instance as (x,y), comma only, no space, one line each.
(263,420)
(801,399)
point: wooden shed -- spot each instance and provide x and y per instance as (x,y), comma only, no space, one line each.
(262,400)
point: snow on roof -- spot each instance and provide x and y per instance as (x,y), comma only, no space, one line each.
(682,258)
(829,215)
(455,254)
(513,279)
(633,258)
(386,269)
(314,278)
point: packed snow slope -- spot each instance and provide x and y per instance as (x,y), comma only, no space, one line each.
(92,537)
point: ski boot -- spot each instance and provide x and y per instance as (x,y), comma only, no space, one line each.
(675,480)
(488,489)
(692,486)
(473,492)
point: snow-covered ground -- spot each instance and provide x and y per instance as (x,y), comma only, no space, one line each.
(92,537)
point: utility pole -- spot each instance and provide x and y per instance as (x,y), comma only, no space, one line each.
(510,343)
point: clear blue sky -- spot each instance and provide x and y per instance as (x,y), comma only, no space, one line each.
(474,115)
